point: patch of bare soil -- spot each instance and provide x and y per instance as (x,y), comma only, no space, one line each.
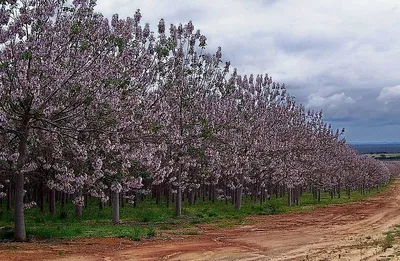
(340,232)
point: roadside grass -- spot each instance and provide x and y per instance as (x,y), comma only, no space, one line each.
(391,237)
(148,219)
(381,244)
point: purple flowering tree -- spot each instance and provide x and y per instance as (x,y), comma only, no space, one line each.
(64,72)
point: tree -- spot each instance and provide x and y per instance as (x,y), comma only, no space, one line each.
(188,76)
(61,76)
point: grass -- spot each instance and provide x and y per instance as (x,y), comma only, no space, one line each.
(390,238)
(147,218)
(384,156)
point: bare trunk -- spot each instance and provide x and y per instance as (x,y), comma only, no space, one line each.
(319,195)
(19,223)
(121,199)
(115,207)
(239,194)
(203,192)
(168,195)
(190,197)
(9,198)
(157,194)
(178,199)
(78,208)
(135,200)
(20,233)
(40,197)
(213,193)
(290,197)
(52,202)
(78,211)
(86,201)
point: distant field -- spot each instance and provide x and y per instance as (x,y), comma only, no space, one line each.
(377,148)
(385,156)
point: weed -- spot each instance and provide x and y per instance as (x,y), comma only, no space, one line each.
(188,232)
(387,242)
(166,227)
(151,232)
(191,232)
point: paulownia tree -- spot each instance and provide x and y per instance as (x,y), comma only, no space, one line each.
(188,76)
(59,76)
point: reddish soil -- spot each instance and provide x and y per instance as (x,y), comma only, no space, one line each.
(340,232)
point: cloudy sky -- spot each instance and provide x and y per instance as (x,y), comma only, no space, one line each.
(341,56)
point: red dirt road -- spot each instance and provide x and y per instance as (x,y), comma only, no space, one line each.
(340,232)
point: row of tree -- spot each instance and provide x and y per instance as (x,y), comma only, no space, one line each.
(100,108)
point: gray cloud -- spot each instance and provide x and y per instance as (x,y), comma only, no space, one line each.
(336,55)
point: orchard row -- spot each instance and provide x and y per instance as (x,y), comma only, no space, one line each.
(99,108)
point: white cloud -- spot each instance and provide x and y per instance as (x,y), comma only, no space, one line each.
(389,94)
(337,106)
(333,101)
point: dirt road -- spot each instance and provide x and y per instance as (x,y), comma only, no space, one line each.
(341,232)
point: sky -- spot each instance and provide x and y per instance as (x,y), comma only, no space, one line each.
(341,56)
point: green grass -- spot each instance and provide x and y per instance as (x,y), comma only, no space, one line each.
(384,156)
(147,218)
(390,238)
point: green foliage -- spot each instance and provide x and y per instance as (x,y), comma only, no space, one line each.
(4,65)
(156,128)
(162,52)
(151,232)
(84,46)
(119,42)
(27,55)
(88,100)
(76,28)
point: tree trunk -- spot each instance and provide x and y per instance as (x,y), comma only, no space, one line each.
(115,207)
(78,208)
(168,197)
(86,197)
(157,194)
(319,195)
(190,197)
(203,192)
(52,202)
(20,232)
(289,197)
(239,194)
(40,197)
(178,199)
(9,194)
(135,199)
(213,193)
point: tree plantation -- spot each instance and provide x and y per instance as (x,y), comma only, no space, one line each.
(107,110)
